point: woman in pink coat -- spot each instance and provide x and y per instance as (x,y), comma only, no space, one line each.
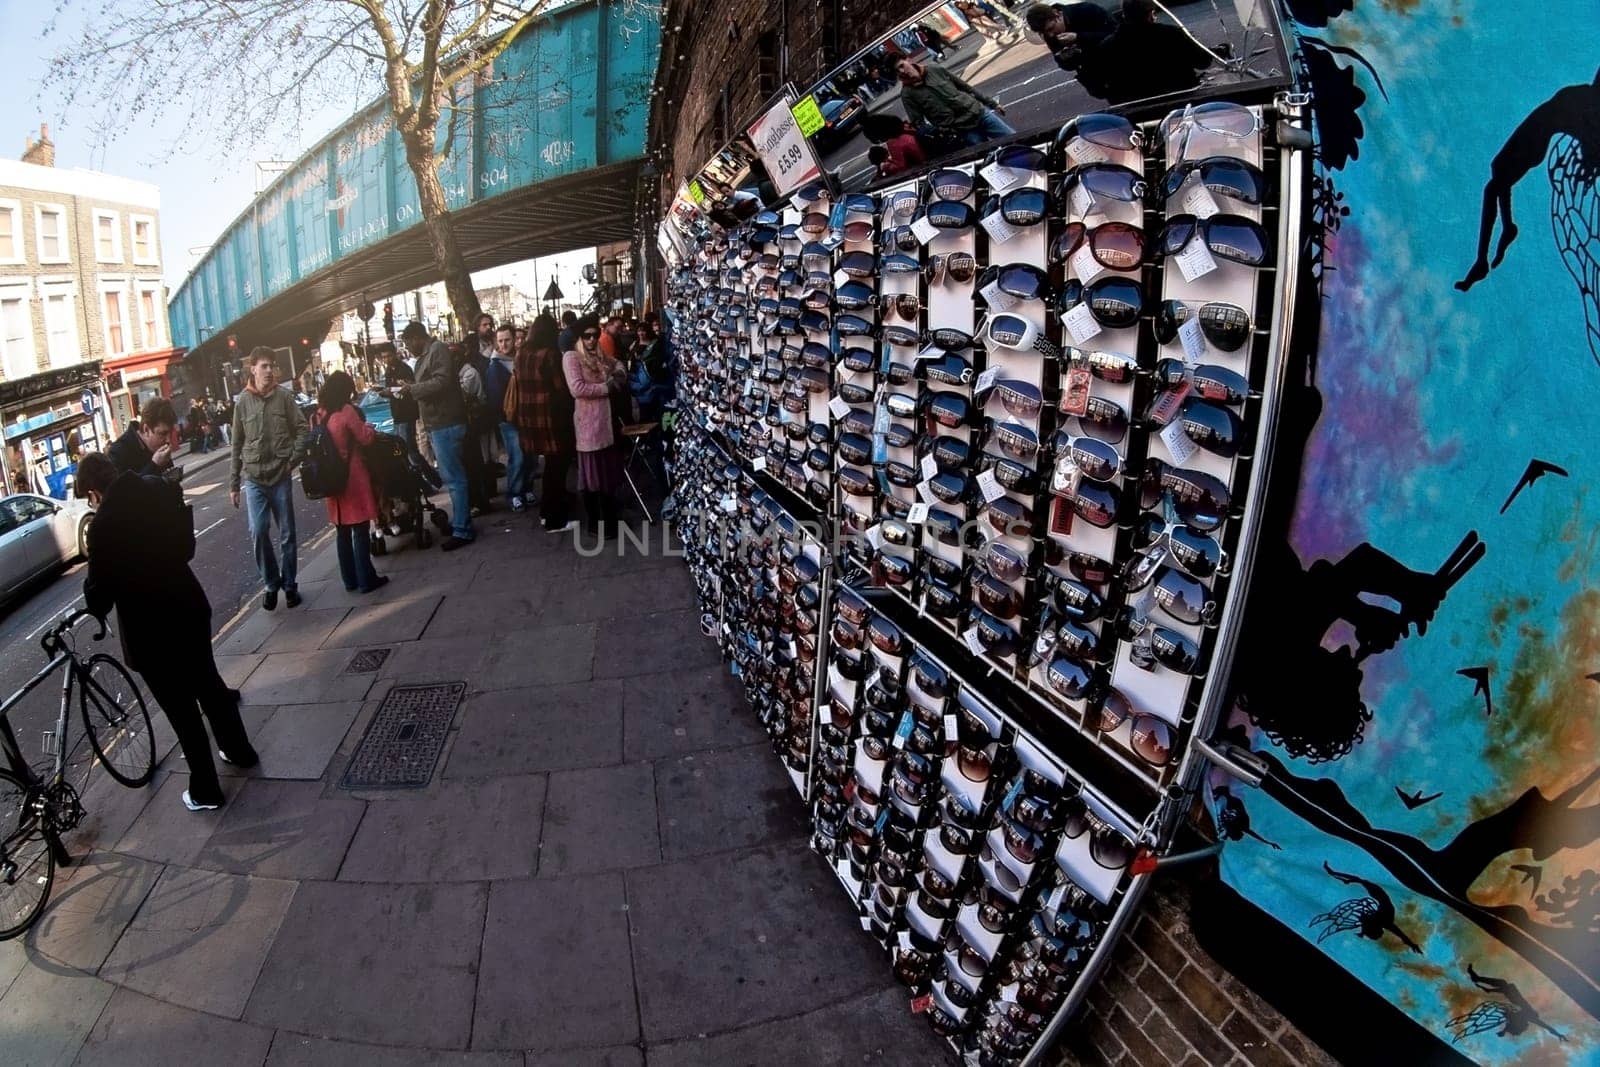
(592,376)
(352,508)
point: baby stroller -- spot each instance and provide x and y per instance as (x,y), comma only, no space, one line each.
(404,482)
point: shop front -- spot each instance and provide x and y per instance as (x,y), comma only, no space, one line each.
(49,420)
(132,380)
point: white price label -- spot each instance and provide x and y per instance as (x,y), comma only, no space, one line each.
(917,515)
(730,505)
(990,487)
(952,728)
(1001,178)
(904,939)
(1198,200)
(932,352)
(924,230)
(840,278)
(997,298)
(749,386)
(899,740)
(1000,231)
(1008,995)
(825,714)
(1195,260)
(974,642)
(1084,265)
(930,466)
(924,492)
(838,408)
(866,923)
(1194,340)
(1082,200)
(987,379)
(1081,151)
(1178,443)
(875,536)
(797,205)
(1081,323)
(758,464)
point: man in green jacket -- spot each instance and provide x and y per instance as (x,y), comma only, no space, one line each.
(268,443)
(938,100)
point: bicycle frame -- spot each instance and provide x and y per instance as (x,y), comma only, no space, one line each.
(8,740)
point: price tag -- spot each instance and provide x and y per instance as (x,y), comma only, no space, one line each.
(1053,903)
(1084,265)
(729,504)
(880,420)
(921,1004)
(931,352)
(758,464)
(1065,479)
(1194,340)
(1000,231)
(904,940)
(930,467)
(1195,260)
(1001,178)
(924,492)
(1081,151)
(1082,200)
(840,278)
(1075,384)
(797,205)
(1178,443)
(917,515)
(924,230)
(875,536)
(838,408)
(1081,323)
(952,728)
(749,386)
(997,298)
(990,487)
(987,379)
(825,714)
(974,644)
(1008,995)
(1198,200)
(866,923)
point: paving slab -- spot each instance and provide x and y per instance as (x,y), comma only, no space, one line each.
(725,941)
(300,739)
(110,808)
(167,832)
(615,1056)
(46,1014)
(878,1029)
(278,829)
(434,658)
(462,832)
(249,635)
(645,548)
(137,1031)
(306,678)
(556,971)
(91,904)
(355,961)
(234,669)
(600,819)
(465,612)
(304,629)
(586,596)
(653,644)
(544,728)
(714,801)
(301,1050)
(685,711)
(384,623)
(199,939)
(552,655)
(255,718)
(13,958)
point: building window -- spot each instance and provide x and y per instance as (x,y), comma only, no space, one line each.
(10,232)
(114,308)
(107,237)
(767,63)
(144,239)
(16,332)
(60,324)
(50,221)
(151,314)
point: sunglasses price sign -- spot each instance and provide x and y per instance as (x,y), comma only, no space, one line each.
(781,143)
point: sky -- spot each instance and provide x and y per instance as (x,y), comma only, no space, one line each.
(205,180)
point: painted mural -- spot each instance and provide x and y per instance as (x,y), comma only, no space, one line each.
(1421,662)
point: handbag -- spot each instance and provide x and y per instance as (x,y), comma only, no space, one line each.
(508,403)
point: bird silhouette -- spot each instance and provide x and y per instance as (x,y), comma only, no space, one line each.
(1415,800)
(1537,468)
(1480,676)
(1531,872)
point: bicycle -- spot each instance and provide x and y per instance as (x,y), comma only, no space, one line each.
(36,809)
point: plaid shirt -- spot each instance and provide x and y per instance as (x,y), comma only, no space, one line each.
(543,414)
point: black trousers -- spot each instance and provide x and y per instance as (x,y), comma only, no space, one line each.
(187,686)
(555,503)
(480,483)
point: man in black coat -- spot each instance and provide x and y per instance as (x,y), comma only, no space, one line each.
(140,545)
(146,446)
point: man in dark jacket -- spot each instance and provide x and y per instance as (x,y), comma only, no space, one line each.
(443,412)
(937,100)
(140,544)
(146,447)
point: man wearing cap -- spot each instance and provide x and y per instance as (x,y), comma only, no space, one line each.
(443,413)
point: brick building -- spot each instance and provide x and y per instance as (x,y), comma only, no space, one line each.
(81,298)
(1165,998)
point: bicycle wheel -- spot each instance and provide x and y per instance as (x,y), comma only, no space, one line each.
(27,865)
(116,721)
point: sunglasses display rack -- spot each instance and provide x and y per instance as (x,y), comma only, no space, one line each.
(1021,400)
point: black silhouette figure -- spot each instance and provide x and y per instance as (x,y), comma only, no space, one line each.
(1370,916)
(1509,1017)
(1233,821)
(1595,677)
(1415,800)
(1531,873)
(1573,111)
(1480,678)
(1537,468)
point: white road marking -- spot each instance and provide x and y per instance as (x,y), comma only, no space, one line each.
(213,526)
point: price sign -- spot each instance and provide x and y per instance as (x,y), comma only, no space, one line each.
(990,487)
(758,464)
(986,379)
(808,115)
(838,408)
(1081,151)
(930,466)
(780,141)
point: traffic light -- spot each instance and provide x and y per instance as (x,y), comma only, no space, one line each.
(305,342)
(233,342)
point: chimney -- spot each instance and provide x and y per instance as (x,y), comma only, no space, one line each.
(41,152)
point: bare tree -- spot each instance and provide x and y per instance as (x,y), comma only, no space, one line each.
(250,70)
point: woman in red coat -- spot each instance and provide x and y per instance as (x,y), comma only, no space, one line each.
(356,505)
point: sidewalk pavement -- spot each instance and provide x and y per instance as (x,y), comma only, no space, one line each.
(608,866)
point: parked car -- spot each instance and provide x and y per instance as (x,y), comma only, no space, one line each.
(839,122)
(37,535)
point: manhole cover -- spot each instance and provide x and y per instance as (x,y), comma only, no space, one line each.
(405,737)
(367,661)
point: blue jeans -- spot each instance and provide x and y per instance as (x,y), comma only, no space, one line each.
(268,504)
(990,127)
(355,557)
(447,446)
(512,441)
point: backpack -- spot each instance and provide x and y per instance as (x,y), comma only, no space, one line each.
(324,471)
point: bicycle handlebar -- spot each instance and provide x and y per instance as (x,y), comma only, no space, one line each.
(51,641)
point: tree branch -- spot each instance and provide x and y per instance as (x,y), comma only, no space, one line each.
(482,60)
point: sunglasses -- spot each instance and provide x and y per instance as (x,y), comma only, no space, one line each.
(1019,207)
(1206,381)
(950,184)
(1233,121)
(1150,738)
(1078,644)
(1108,846)
(1090,457)
(1201,500)
(1224,326)
(1019,398)
(1232,237)
(997,638)
(1232,177)
(1114,245)
(1015,332)
(1155,645)
(1191,551)
(1022,280)
(1014,439)
(589,335)
(1102,181)
(1115,302)
(1101,130)
(959,267)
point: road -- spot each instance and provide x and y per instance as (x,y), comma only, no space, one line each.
(223,562)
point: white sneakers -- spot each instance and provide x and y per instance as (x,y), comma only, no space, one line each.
(516,503)
(192,806)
